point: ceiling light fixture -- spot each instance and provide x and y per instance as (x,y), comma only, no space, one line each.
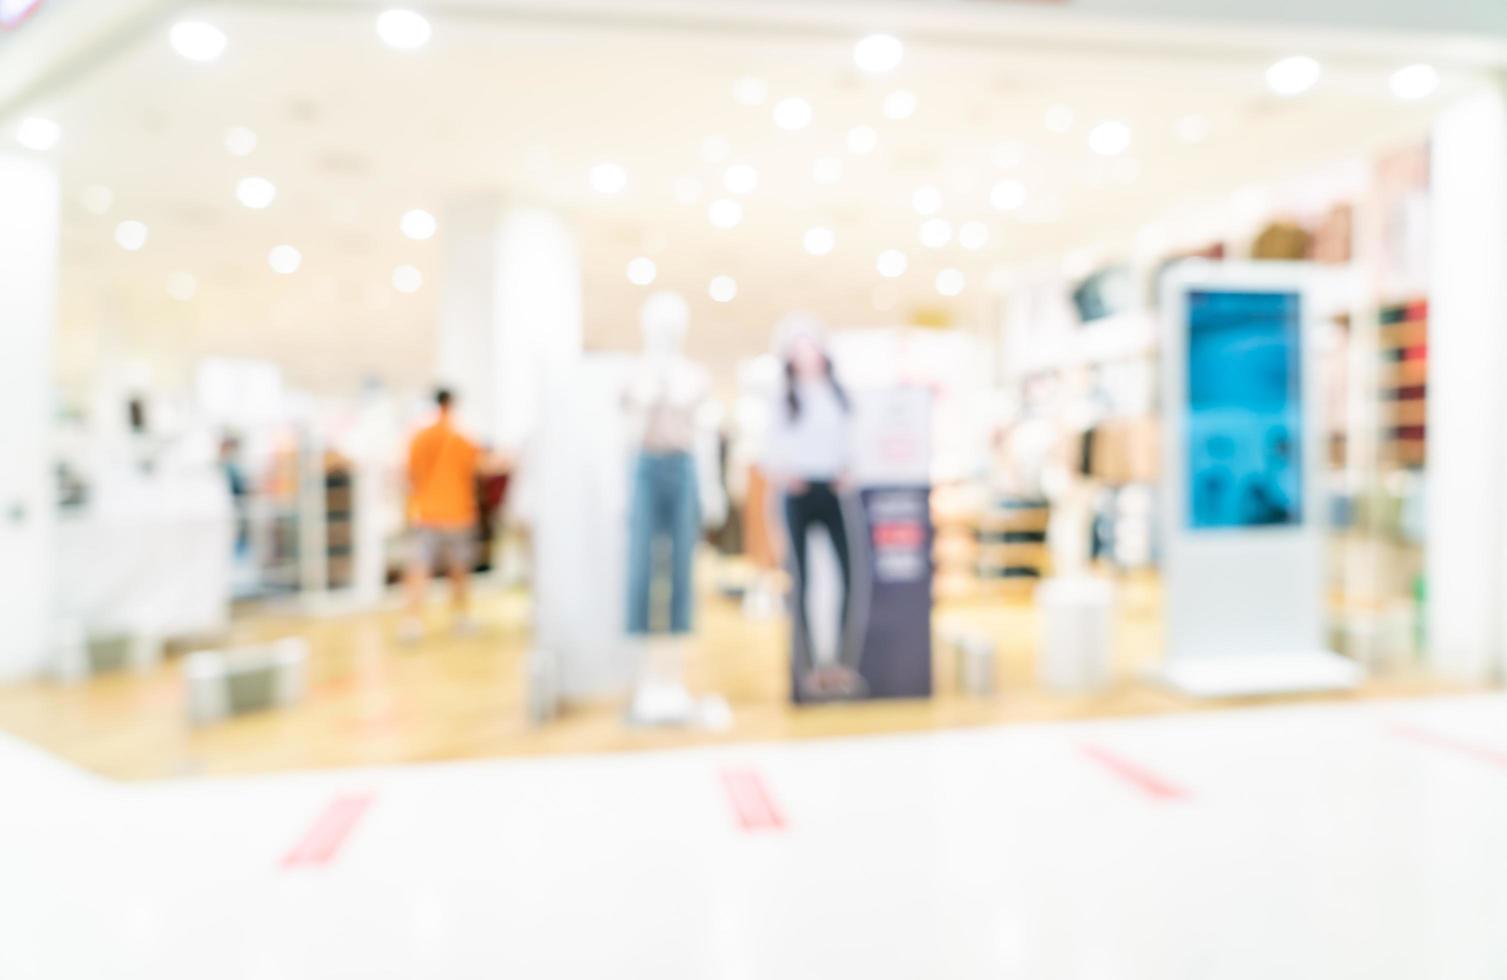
(926,200)
(1293,76)
(723,289)
(196,40)
(792,113)
(240,141)
(642,271)
(725,213)
(256,193)
(862,140)
(819,240)
(608,178)
(878,53)
(740,178)
(950,282)
(131,235)
(38,134)
(1414,82)
(405,30)
(936,233)
(284,259)
(1109,138)
(418,225)
(407,279)
(1008,195)
(892,263)
(900,105)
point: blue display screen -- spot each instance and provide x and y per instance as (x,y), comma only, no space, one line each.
(1245,409)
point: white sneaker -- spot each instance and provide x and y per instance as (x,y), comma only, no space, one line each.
(410,630)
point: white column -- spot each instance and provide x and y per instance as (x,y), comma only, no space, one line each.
(28,291)
(510,315)
(1467,465)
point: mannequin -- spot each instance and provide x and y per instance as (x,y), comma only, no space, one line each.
(676,490)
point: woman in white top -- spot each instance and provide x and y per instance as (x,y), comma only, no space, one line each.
(808,457)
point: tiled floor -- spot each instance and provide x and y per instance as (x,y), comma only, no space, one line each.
(1364,841)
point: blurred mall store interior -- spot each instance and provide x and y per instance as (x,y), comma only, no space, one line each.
(910,415)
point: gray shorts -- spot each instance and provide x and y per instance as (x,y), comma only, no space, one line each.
(447,547)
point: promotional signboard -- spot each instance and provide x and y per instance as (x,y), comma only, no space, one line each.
(1242,518)
(883,648)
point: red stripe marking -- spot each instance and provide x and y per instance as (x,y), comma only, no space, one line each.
(1135,774)
(1488,754)
(323,840)
(751,800)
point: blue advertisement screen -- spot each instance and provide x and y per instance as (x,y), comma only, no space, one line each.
(1245,410)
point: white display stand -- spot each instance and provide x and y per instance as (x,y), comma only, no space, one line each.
(1245,613)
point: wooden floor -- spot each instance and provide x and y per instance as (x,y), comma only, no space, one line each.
(372,701)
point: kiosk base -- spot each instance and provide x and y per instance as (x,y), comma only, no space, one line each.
(1251,675)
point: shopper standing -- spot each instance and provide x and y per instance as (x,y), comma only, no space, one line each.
(808,459)
(442,515)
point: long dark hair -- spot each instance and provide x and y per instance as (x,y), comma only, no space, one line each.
(793,398)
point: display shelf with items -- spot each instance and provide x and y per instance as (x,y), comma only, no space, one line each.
(1012,534)
(955,549)
(1403,339)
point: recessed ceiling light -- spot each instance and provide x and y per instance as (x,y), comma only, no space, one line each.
(1008,195)
(1293,76)
(240,141)
(284,259)
(182,287)
(418,224)
(827,170)
(792,113)
(642,271)
(1059,118)
(862,140)
(97,199)
(687,190)
(750,91)
(38,134)
(950,282)
(725,213)
(196,40)
(900,105)
(131,235)
(715,149)
(819,240)
(1109,138)
(403,29)
(878,53)
(407,279)
(1414,82)
(608,178)
(741,178)
(256,192)
(926,200)
(973,235)
(1192,128)
(723,289)
(936,232)
(892,263)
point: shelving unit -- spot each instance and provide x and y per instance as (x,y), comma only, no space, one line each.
(1403,379)
(1012,536)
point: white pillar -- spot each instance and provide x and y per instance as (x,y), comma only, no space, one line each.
(1467,465)
(510,315)
(28,294)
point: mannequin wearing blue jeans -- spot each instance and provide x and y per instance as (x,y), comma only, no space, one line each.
(664,508)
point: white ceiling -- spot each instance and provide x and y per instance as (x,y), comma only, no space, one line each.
(353,134)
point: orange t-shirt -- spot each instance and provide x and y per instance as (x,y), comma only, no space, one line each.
(442,478)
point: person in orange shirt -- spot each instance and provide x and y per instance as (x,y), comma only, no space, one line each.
(442,514)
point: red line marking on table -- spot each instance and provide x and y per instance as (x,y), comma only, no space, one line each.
(1134,773)
(751,800)
(322,841)
(1489,754)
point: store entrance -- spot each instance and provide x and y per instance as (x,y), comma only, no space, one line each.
(792,365)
